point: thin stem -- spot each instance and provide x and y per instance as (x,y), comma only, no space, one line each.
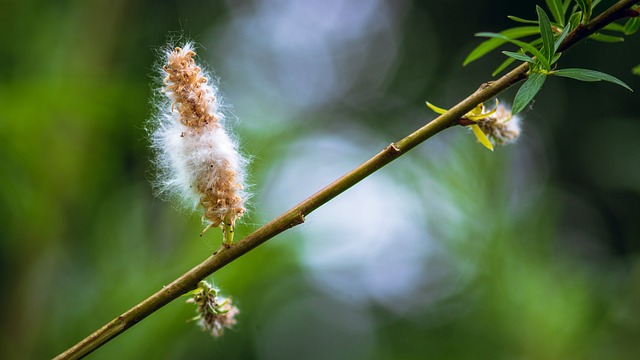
(296,215)
(618,11)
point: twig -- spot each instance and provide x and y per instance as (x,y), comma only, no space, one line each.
(295,215)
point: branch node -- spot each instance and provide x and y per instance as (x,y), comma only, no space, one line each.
(631,13)
(485,85)
(298,220)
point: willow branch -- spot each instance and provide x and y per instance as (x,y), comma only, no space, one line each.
(296,214)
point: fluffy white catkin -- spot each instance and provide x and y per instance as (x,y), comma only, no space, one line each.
(199,162)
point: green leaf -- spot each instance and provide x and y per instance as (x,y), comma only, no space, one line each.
(521,20)
(636,70)
(606,38)
(528,91)
(518,56)
(546,32)
(509,61)
(192,292)
(525,46)
(586,7)
(631,26)
(555,58)
(560,39)
(590,75)
(565,5)
(557,10)
(583,5)
(614,27)
(488,45)
(574,20)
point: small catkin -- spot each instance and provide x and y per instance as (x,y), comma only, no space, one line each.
(215,313)
(502,127)
(199,161)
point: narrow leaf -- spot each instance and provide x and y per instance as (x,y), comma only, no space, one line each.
(560,39)
(606,38)
(546,32)
(586,7)
(528,91)
(522,44)
(509,61)
(489,45)
(557,10)
(632,26)
(583,4)
(192,292)
(565,5)
(590,75)
(518,56)
(614,27)
(574,20)
(521,20)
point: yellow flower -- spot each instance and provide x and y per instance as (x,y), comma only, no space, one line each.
(472,117)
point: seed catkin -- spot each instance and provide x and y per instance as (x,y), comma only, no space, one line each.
(199,161)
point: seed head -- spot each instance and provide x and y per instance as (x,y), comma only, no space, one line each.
(199,161)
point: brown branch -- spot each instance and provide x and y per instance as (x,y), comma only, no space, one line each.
(619,10)
(295,215)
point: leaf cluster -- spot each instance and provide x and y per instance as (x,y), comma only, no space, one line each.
(541,53)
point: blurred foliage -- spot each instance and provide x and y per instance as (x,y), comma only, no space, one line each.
(530,252)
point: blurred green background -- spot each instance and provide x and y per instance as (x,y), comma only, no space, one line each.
(451,252)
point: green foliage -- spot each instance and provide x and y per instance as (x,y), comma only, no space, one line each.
(589,75)
(636,70)
(587,9)
(547,36)
(528,91)
(525,46)
(549,30)
(544,50)
(521,20)
(519,56)
(631,26)
(574,20)
(560,39)
(510,60)
(558,9)
(606,38)
(488,45)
